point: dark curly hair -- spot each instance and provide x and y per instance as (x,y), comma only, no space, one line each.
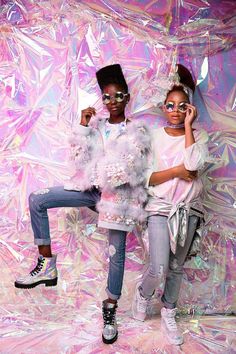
(185,78)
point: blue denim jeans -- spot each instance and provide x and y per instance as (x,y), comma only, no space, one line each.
(165,270)
(56,197)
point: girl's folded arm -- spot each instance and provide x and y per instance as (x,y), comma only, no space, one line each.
(196,155)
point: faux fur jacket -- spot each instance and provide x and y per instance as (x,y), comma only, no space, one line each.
(117,169)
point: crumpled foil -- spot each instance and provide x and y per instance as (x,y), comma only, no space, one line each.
(50,51)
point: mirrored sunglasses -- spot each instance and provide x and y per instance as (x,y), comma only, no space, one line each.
(119,97)
(181,107)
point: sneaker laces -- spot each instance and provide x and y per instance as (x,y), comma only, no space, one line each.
(109,315)
(38,267)
(142,302)
(171,324)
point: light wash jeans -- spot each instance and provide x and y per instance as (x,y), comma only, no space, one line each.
(165,270)
(55,197)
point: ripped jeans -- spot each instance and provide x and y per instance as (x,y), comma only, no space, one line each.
(165,270)
(56,197)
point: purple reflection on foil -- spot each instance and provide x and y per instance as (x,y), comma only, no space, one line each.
(50,51)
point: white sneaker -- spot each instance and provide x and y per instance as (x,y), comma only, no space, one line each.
(169,326)
(139,305)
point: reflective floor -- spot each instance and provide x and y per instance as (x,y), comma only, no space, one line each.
(67,318)
(50,321)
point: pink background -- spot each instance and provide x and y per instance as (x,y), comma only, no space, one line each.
(50,51)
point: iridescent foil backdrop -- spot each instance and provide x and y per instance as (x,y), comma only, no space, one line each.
(49,53)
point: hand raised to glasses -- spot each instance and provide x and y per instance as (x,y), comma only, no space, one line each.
(191,114)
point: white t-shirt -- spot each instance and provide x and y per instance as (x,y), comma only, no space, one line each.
(170,151)
(111,131)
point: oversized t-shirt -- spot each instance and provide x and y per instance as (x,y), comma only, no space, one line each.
(169,151)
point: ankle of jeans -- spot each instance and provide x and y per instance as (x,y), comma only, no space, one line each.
(148,297)
(112,296)
(167,304)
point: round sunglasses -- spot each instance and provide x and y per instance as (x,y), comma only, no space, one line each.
(119,97)
(181,107)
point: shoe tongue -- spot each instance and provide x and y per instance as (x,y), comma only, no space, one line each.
(109,305)
(171,312)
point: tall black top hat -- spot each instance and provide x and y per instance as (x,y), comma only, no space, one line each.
(111,74)
(185,77)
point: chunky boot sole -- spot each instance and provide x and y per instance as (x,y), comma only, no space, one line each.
(110,341)
(47,282)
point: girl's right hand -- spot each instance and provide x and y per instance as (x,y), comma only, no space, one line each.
(191,114)
(184,174)
(86,115)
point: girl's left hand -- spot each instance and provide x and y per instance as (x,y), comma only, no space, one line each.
(191,114)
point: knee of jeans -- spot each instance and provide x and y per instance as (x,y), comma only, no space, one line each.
(159,273)
(31,200)
(117,255)
(34,199)
(112,251)
(160,278)
(175,265)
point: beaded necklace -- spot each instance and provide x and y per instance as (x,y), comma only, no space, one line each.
(178,126)
(121,127)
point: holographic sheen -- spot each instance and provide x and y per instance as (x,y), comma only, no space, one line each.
(50,51)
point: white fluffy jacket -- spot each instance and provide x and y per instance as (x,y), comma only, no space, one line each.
(119,171)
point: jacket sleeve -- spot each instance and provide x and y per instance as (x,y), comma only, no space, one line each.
(196,155)
(126,162)
(82,142)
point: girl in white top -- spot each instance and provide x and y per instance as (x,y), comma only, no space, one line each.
(174,206)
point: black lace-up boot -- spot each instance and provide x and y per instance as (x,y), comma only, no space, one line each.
(110,333)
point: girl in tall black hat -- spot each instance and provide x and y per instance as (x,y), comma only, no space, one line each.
(109,156)
(174,205)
